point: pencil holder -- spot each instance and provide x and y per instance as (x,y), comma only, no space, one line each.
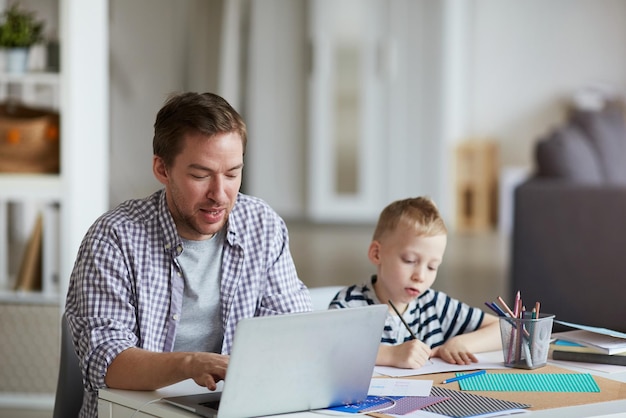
(526,340)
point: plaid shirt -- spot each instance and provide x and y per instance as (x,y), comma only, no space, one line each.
(433,316)
(126,288)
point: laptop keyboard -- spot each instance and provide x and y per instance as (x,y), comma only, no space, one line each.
(211,404)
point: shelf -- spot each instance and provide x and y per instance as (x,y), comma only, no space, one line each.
(40,89)
(21,297)
(36,401)
(30,186)
(48,78)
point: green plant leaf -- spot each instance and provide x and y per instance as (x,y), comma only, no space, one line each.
(20,28)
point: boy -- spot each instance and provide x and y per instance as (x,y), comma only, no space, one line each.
(407,249)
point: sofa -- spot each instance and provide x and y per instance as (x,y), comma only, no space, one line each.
(568,247)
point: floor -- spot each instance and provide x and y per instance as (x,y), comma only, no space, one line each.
(474,268)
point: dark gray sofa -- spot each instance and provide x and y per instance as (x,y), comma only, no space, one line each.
(569,231)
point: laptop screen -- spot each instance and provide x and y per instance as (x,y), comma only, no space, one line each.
(301,361)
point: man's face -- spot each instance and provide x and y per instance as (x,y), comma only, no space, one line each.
(203,182)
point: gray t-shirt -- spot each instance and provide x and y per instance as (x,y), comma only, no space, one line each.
(200,327)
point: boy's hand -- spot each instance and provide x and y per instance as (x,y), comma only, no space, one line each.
(409,355)
(454,352)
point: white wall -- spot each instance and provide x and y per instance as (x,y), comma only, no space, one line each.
(411,160)
(45,10)
(275,105)
(147,63)
(504,74)
(528,57)
(155,51)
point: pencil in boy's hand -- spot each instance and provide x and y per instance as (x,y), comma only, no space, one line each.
(403,321)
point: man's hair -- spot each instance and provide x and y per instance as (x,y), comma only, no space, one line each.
(206,113)
(419,213)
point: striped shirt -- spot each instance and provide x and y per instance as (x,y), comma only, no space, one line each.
(433,316)
(126,288)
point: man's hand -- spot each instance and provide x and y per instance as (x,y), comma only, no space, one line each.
(138,369)
(206,369)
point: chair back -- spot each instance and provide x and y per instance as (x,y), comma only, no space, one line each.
(70,389)
(322,296)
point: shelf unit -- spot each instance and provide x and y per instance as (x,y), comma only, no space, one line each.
(22,186)
(31,320)
(28,193)
(31,86)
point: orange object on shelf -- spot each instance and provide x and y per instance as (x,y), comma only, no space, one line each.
(29,140)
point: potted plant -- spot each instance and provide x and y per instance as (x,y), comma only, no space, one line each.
(19,30)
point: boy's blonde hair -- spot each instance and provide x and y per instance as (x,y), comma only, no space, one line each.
(419,213)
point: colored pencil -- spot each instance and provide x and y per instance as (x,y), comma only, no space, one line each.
(464,376)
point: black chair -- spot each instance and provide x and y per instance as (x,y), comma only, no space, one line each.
(69,394)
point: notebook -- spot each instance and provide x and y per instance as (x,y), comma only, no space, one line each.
(295,362)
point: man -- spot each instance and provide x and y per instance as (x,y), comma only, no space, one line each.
(160,283)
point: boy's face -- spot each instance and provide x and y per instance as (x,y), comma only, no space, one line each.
(407,264)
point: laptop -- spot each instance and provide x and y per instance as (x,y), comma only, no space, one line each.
(295,362)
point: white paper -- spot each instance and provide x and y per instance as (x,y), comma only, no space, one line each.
(400,387)
(491,360)
(596,330)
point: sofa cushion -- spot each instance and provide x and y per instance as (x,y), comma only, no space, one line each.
(567,154)
(606,130)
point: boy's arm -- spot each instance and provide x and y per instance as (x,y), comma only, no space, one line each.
(460,348)
(409,355)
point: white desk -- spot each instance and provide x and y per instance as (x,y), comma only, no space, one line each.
(116,403)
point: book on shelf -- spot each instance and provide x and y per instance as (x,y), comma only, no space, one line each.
(39,261)
(29,276)
(4,246)
(50,249)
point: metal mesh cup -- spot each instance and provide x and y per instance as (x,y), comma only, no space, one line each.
(526,341)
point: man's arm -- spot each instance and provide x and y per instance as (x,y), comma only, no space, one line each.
(139,369)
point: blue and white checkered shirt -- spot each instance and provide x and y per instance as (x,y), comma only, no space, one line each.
(126,289)
(433,316)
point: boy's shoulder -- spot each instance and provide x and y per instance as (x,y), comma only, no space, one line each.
(432,297)
(355,295)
